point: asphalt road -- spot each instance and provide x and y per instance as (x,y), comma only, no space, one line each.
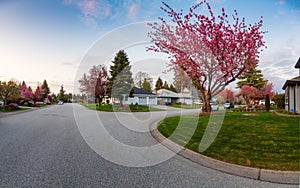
(46,148)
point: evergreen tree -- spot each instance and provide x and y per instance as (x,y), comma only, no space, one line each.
(61,94)
(121,81)
(46,90)
(158,84)
(146,85)
(254,78)
(166,86)
(267,103)
(172,88)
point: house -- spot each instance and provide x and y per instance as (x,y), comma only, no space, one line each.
(165,96)
(141,97)
(292,92)
(185,97)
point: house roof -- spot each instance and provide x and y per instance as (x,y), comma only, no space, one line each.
(166,93)
(297,66)
(291,82)
(140,91)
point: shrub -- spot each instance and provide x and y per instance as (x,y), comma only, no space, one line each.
(279,100)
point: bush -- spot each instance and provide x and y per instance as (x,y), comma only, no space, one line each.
(279,100)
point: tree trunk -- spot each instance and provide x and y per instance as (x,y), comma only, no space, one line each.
(121,101)
(206,98)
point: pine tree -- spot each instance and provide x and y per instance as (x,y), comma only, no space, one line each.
(158,84)
(172,88)
(166,86)
(61,94)
(46,89)
(267,103)
(146,85)
(121,81)
(253,77)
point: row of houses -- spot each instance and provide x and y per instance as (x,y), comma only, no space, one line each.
(162,96)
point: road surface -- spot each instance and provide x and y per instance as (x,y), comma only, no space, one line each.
(44,148)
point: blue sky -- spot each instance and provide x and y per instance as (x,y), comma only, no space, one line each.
(41,39)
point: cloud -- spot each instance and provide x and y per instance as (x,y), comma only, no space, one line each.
(132,11)
(281,2)
(91,10)
(277,64)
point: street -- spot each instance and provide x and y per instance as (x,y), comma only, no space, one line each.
(47,148)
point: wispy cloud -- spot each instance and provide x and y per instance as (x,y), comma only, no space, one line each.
(132,11)
(91,10)
(278,63)
(281,2)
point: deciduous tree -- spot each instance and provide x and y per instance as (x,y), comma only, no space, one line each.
(101,85)
(88,82)
(211,50)
(9,91)
(140,77)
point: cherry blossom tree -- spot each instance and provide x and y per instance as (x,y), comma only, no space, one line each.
(226,95)
(25,92)
(248,93)
(211,50)
(101,85)
(94,83)
(251,94)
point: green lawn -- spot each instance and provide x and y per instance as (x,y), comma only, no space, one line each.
(262,141)
(184,106)
(7,111)
(111,108)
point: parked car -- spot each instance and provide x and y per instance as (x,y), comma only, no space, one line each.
(263,102)
(31,103)
(228,105)
(60,103)
(214,106)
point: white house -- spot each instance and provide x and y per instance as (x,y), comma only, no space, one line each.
(141,97)
(292,92)
(165,96)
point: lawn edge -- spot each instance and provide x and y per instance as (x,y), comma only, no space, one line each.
(274,176)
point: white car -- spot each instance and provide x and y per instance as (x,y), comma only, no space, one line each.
(60,103)
(263,102)
(214,106)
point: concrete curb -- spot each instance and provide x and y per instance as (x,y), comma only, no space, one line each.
(282,177)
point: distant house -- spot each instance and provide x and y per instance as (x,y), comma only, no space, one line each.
(292,92)
(165,96)
(141,97)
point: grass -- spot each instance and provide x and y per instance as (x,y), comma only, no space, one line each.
(184,106)
(7,111)
(111,108)
(259,139)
